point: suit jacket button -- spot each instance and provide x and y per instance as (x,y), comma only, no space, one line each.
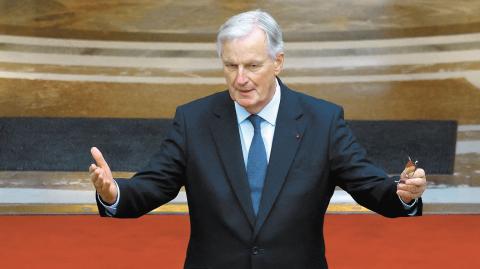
(255,250)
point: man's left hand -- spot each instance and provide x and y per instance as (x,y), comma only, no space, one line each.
(412,185)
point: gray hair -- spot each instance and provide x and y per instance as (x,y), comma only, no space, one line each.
(243,24)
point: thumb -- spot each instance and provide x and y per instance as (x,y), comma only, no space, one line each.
(98,157)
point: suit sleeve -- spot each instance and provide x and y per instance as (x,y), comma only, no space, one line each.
(160,181)
(369,185)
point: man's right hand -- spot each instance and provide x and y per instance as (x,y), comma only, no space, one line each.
(102,179)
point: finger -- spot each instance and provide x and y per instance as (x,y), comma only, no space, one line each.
(96,172)
(405,197)
(417,188)
(98,178)
(100,183)
(94,176)
(98,157)
(92,168)
(410,188)
(100,174)
(418,182)
(419,173)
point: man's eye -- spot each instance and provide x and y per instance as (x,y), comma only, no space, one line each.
(254,66)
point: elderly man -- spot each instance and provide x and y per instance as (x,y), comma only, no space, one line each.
(259,163)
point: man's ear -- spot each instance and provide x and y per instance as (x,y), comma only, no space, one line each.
(278,63)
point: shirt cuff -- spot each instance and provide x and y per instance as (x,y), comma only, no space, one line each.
(411,207)
(110,210)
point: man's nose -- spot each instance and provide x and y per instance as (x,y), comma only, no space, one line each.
(241,78)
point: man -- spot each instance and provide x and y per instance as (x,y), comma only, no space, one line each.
(259,163)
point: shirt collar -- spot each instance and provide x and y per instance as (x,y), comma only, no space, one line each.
(268,113)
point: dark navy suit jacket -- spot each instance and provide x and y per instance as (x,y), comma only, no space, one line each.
(313,151)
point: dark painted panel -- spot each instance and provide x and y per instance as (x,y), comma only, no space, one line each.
(63,144)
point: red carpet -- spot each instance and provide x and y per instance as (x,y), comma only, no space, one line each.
(159,241)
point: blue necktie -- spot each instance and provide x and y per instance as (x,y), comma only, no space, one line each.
(256,163)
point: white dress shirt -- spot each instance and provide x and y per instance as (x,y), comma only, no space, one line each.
(269,114)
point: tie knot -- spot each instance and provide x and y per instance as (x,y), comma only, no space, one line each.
(255,120)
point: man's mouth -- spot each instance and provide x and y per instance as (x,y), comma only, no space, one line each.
(245,90)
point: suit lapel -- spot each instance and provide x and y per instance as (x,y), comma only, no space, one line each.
(288,133)
(225,132)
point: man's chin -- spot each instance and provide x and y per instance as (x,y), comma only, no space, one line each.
(246,103)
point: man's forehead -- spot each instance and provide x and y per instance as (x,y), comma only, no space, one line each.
(232,55)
